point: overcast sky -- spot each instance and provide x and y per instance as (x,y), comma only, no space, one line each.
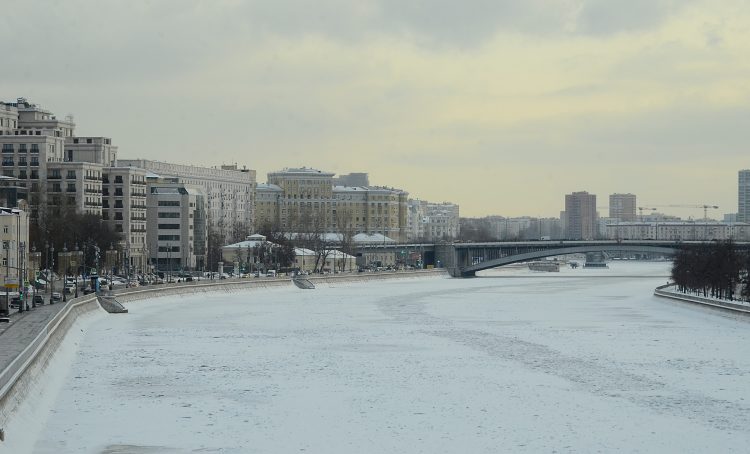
(502,106)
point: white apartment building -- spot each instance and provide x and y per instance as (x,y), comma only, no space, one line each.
(678,231)
(177,234)
(229,192)
(98,150)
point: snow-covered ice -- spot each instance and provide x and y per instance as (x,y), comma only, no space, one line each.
(516,361)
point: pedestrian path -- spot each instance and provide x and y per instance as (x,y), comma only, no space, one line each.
(23,329)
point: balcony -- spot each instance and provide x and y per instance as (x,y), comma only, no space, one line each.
(54,177)
(93,191)
(8,163)
(34,163)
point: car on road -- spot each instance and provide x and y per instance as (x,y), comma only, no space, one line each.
(56,297)
(15,302)
(38,300)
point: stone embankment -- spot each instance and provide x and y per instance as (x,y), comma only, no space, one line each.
(669,291)
(32,338)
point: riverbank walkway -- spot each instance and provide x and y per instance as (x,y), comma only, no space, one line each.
(23,328)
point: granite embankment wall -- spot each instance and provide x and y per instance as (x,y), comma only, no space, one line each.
(669,291)
(35,342)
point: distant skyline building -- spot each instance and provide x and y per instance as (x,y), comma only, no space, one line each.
(580,216)
(743,196)
(622,207)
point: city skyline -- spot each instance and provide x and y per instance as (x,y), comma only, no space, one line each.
(532,100)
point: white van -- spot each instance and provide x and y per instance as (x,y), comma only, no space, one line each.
(271,273)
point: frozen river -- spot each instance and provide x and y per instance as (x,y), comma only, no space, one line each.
(516,361)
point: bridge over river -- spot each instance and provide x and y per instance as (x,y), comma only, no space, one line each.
(465,259)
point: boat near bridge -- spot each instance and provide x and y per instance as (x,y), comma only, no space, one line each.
(545,265)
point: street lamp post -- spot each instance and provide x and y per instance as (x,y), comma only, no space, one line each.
(52,273)
(66,258)
(76,272)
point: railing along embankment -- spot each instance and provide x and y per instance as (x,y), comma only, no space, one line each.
(725,306)
(33,341)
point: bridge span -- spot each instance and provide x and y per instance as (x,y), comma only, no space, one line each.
(465,259)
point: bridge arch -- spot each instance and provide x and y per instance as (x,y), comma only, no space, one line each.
(469,271)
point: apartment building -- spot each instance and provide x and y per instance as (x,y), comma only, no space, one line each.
(743,196)
(124,209)
(678,231)
(74,186)
(580,216)
(14,237)
(302,198)
(622,207)
(177,234)
(229,192)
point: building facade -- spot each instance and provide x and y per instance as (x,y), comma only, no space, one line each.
(743,196)
(14,234)
(229,192)
(580,216)
(124,209)
(678,231)
(304,199)
(177,232)
(622,207)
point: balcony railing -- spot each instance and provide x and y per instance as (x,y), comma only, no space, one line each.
(54,177)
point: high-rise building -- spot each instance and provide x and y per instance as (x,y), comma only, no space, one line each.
(743,196)
(580,216)
(622,207)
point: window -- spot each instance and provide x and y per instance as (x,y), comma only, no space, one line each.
(75,140)
(169,249)
(89,141)
(34,161)
(118,179)
(169,237)
(71,187)
(118,203)
(34,148)
(169,226)
(5,229)
(118,191)
(118,216)
(7,148)
(169,215)
(105,216)
(71,175)
(169,203)
(105,203)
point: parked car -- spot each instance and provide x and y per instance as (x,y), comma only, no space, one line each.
(38,300)
(15,302)
(56,297)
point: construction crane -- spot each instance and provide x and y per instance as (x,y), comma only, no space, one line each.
(642,209)
(705,208)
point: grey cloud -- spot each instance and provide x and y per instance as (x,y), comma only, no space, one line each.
(602,17)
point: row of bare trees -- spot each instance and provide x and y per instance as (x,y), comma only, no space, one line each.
(715,270)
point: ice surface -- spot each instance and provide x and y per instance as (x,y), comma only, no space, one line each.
(516,361)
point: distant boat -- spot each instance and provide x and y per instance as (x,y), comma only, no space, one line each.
(545,265)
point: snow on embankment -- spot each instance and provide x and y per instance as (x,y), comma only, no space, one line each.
(737,308)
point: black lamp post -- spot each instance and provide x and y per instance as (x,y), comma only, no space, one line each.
(76,278)
(51,272)
(33,284)
(65,270)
